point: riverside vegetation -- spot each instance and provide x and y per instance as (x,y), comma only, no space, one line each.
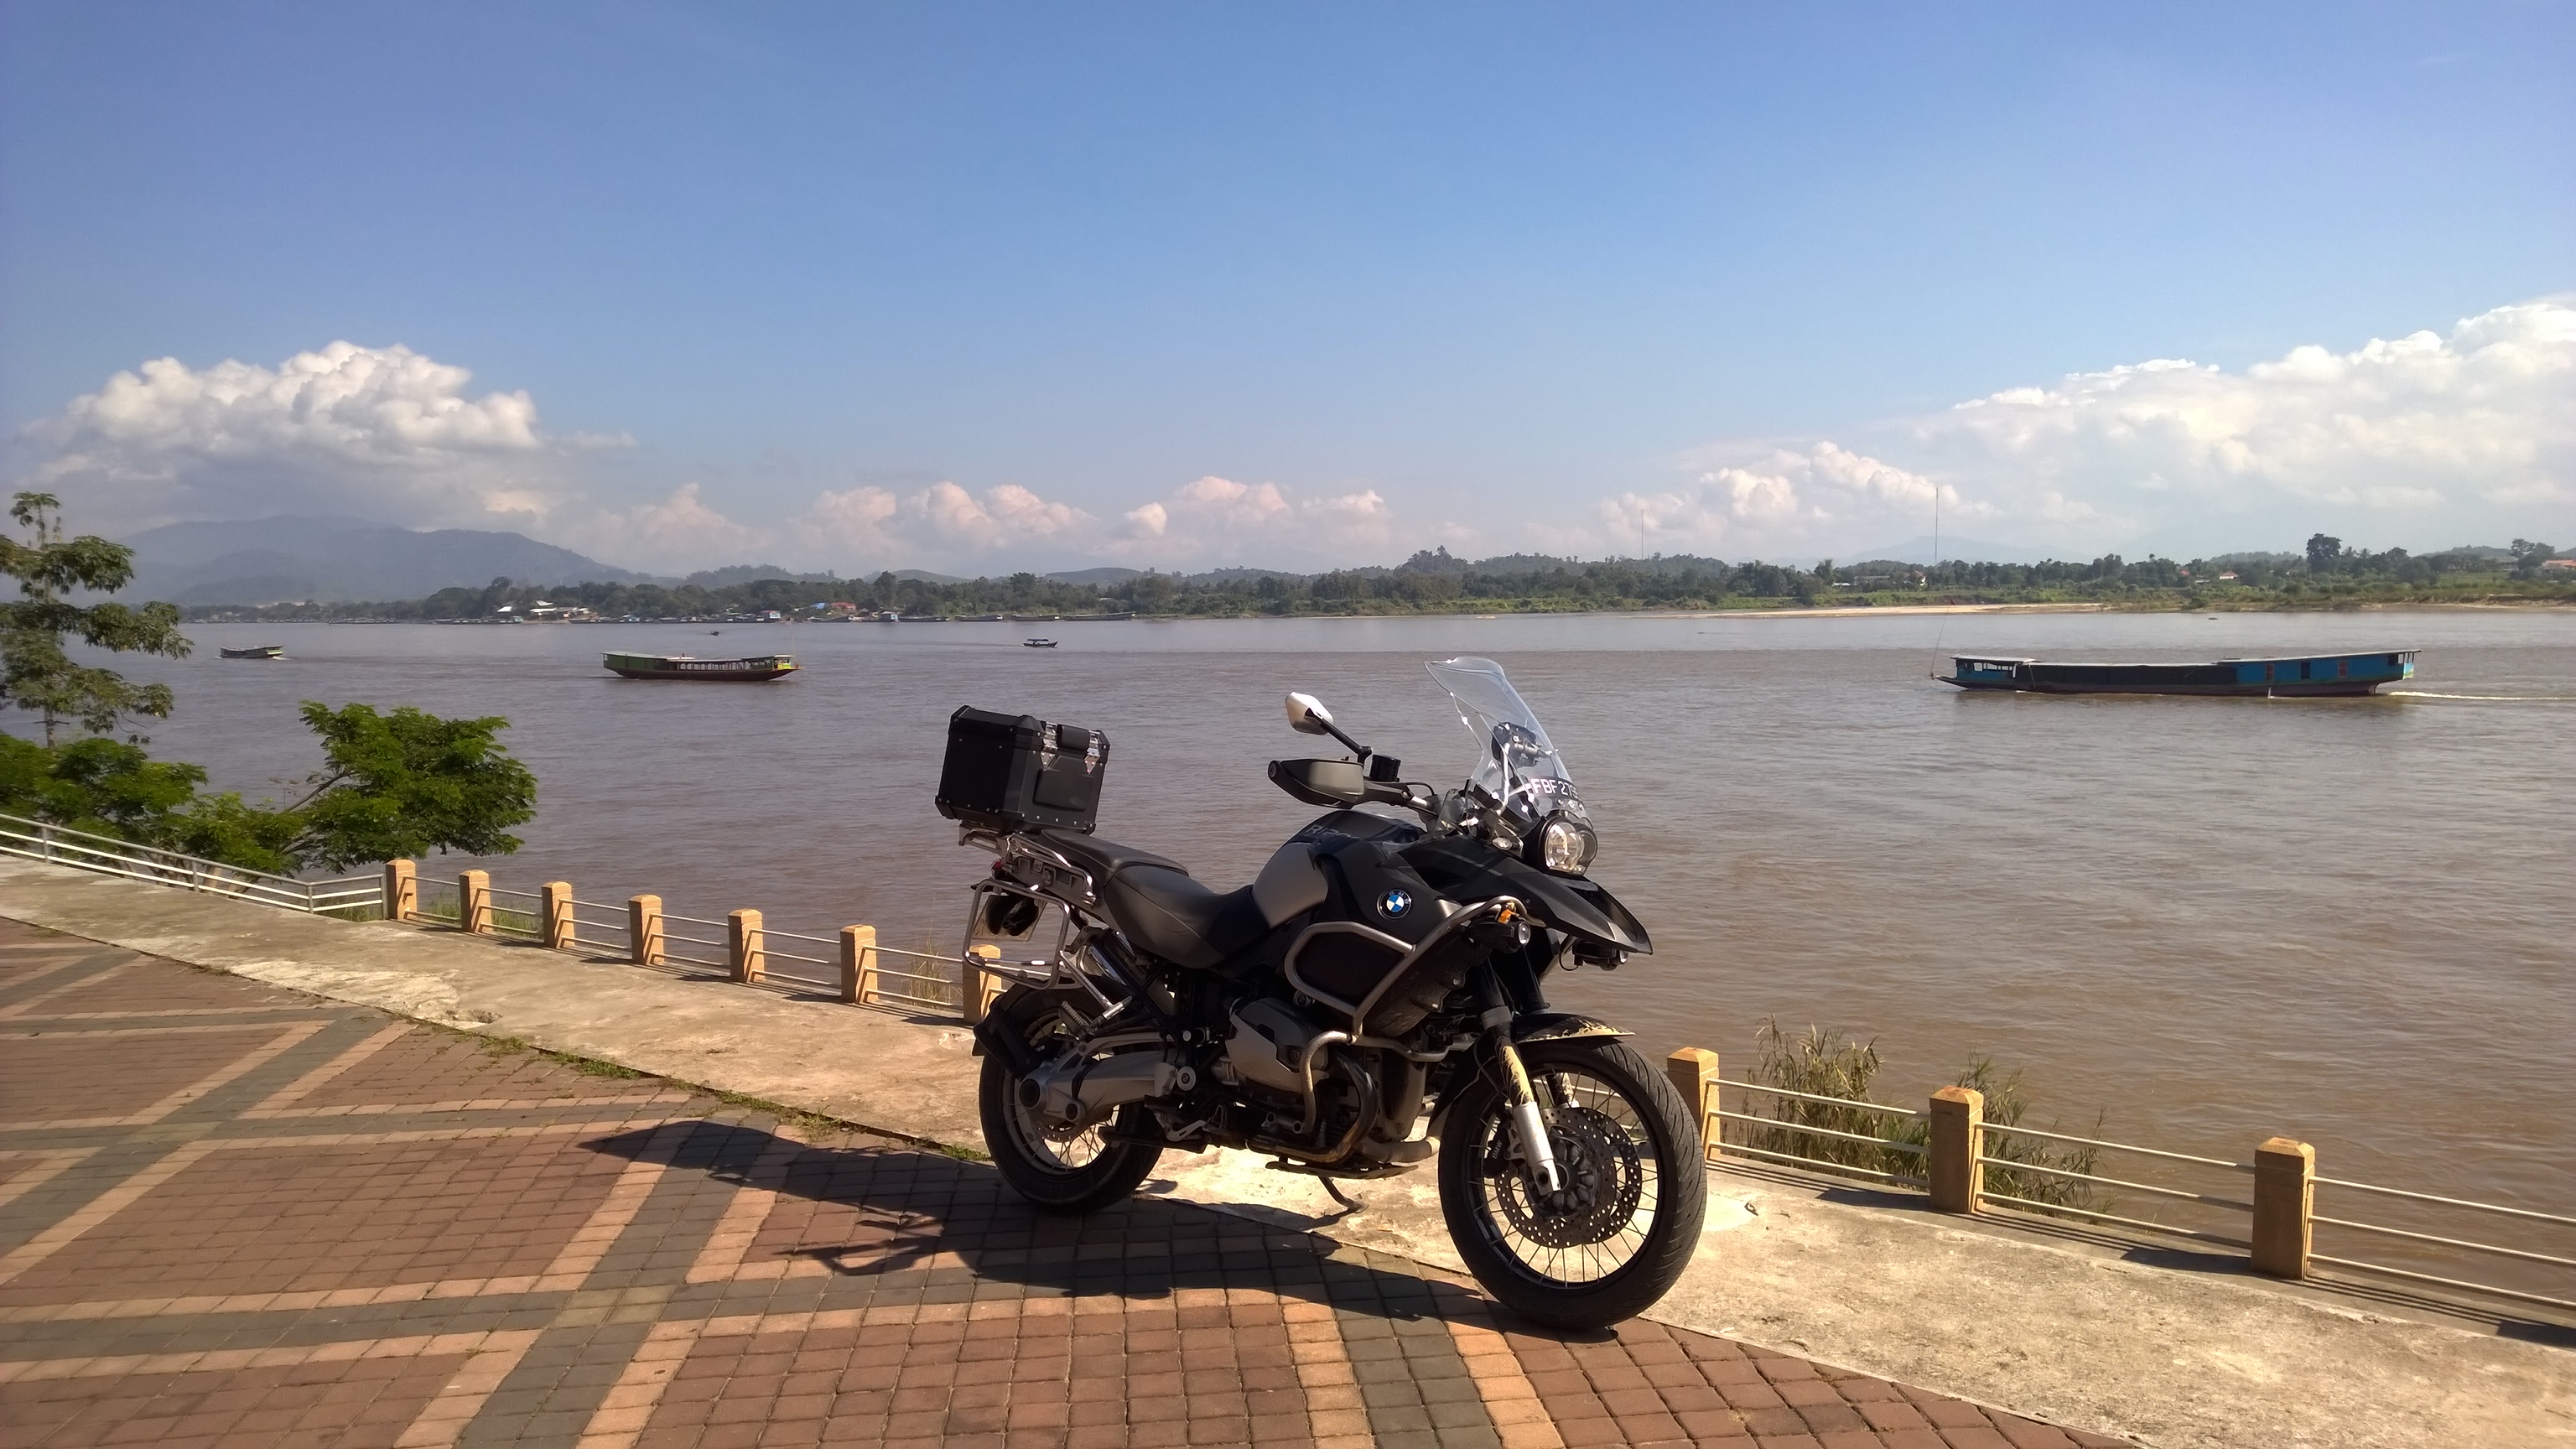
(2327,576)
(393,784)
(1831,1064)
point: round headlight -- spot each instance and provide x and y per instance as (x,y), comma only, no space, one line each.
(1565,847)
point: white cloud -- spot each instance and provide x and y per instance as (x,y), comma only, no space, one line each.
(1214,519)
(2410,440)
(1788,501)
(379,430)
(1004,517)
(680,533)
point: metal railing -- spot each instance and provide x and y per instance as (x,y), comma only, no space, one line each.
(2273,1223)
(2462,1245)
(62,845)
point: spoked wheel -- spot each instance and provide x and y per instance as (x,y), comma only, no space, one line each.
(1620,1231)
(1055,1169)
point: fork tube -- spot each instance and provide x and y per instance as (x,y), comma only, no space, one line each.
(1528,1128)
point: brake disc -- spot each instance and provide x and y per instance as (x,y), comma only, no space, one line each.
(1604,1181)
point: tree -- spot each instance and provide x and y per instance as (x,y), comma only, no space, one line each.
(403,784)
(2323,551)
(36,671)
(2528,556)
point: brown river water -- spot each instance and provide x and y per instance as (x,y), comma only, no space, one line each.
(2206,921)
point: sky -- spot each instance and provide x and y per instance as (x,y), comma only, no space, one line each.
(976,287)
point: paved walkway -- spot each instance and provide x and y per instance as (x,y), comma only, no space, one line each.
(236,1215)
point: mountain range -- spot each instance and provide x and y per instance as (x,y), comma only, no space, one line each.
(272,560)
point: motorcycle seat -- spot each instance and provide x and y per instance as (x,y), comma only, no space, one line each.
(1102,858)
(1160,908)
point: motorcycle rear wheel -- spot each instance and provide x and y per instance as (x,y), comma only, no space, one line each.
(1618,1238)
(1063,1172)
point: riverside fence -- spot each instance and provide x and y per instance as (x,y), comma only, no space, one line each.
(2265,1207)
(851,966)
(62,845)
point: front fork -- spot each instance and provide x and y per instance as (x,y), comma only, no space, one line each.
(1529,1130)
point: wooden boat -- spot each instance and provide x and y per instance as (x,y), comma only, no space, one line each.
(256,651)
(689,666)
(2303,676)
(1037,643)
(1096,618)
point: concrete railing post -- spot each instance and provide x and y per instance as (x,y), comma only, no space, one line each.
(644,944)
(858,963)
(978,987)
(2285,1190)
(554,900)
(746,951)
(474,901)
(402,890)
(1694,1074)
(1957,1177)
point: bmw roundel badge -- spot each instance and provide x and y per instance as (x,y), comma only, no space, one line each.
(1394,904)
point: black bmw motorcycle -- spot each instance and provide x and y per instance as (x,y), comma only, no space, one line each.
(1372,1000)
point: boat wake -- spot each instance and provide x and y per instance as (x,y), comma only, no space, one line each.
(2485,698)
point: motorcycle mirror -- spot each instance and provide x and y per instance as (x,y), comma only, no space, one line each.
(1307,715)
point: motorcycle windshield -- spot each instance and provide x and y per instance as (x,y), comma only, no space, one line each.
(1521,769)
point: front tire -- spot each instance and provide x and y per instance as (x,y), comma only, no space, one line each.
(1057,1171)
(1605,1249)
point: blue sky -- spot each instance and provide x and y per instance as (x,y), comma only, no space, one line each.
(973,286)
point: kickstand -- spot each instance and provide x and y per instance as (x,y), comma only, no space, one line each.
(1349,1205)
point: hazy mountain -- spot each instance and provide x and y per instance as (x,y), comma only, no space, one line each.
(1097,576)
(751,573)
(266,560)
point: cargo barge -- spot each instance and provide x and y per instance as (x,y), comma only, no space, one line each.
(689,666)
(2298,677)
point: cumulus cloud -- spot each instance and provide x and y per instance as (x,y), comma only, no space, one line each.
(2478,416)
(681,532)
(1218,519)
(380,430)
(943,520)
(2422,435)
(1784,501)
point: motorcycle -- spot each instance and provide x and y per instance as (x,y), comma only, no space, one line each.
(1372,1000)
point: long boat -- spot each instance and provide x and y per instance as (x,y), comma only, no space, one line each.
(689,666)
(256,651)
(2300,676)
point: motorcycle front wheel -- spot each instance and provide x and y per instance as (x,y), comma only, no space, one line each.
(1056,1170)
(1619,1233)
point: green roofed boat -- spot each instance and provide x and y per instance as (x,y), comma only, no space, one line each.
(2295,677)
(689,666)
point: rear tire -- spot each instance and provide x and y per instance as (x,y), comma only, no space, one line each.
(1056,1171)
(1583,1259)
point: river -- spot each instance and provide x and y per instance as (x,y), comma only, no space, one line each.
(2207,921)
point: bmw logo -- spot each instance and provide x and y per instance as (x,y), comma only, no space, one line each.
(1394,904)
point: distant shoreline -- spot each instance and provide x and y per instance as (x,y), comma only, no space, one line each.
(1830,611)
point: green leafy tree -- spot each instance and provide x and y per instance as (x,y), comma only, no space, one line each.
(37,671)
(406,783)
(2324,550)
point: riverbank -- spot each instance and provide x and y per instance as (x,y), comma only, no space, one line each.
(2092,1335)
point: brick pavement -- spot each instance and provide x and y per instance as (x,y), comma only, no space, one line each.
(232,1215)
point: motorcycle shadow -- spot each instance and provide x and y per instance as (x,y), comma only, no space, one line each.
(875,1223)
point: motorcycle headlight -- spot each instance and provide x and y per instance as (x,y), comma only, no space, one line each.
(1566,846)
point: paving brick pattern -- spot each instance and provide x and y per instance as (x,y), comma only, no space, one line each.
(234,1216)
